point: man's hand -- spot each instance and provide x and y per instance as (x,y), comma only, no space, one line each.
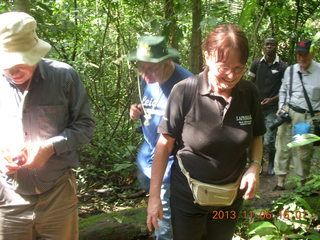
(7,167)
(266,102)
(34,156)
(136,111)
(10,161)
(39,154)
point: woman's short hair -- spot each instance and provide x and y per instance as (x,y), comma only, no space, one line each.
(225,38)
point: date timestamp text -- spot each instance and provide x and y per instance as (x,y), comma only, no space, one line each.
(264,215)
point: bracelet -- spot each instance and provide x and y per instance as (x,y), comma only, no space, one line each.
(257,162)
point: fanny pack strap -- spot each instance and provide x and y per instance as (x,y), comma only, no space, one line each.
(187,175)
(183,170)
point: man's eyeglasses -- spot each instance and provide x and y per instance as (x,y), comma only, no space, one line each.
(149,67)
(228,70)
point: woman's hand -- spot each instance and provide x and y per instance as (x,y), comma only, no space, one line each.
(154,212)
(250,181)
(163,149)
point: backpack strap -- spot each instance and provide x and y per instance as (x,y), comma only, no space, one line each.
(189,94)
(190,91)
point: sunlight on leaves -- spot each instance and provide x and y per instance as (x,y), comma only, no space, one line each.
(304,139)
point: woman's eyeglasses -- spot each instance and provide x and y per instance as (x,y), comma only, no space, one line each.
(228,70)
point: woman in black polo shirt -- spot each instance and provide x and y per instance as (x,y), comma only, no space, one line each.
(223,119)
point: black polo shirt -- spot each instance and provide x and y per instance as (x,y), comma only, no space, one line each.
(213,148)
(268,78)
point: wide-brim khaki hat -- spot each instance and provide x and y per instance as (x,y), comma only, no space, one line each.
(152,49)
(19,43)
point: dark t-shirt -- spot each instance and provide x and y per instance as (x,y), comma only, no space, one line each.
(213,146)
(268,79)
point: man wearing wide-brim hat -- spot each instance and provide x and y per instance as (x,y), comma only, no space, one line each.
(45,117)
(304,75)
(158,74)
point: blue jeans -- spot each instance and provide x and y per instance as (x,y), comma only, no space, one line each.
(165,230)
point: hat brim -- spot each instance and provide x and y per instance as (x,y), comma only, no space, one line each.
(30,57)
(172,53)
(299,49)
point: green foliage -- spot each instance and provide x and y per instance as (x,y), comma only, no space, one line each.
(307,189)
(294,215)
(95,37)
(292,221)
(304,139)
(247,11)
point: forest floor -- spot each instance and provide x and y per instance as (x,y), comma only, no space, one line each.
(266,194)
(100,203)
(135,202)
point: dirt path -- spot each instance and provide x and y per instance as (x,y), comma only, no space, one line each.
(267,183)
(266,193)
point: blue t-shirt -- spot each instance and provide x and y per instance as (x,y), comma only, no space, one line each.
(154,100)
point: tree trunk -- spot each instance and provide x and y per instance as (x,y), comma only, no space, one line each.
(170,28)
(120,225)
(294,40)
(256,29)
(22,6)
(196,59)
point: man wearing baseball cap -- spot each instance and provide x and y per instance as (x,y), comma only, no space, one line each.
(158,75)
(292,99)
(45,117)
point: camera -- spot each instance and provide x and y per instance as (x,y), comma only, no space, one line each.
(284,117)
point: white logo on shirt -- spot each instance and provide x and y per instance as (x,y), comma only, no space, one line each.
(244,120)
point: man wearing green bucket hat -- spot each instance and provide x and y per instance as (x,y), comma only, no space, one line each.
(158,75)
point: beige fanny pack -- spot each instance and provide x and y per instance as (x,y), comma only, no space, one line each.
(206,194)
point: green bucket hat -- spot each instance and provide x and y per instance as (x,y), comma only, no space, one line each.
(152,49)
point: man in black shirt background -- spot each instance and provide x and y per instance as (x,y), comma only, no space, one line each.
(267,73)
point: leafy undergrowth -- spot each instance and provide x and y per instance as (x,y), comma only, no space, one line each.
(290,214)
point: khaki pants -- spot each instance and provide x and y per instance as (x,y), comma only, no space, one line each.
(301,156)
(52,215)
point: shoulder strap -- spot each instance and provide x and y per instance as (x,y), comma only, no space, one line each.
(189,94)
(290,84)
(306,95)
